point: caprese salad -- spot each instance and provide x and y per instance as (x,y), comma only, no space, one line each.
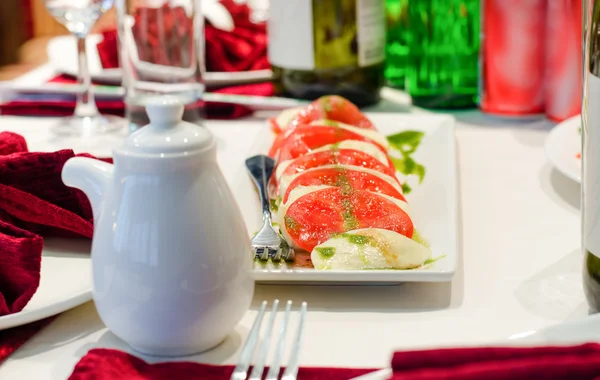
(335,192)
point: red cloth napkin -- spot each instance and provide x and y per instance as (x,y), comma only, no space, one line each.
(243,49)
(64,106)
(105,364)
(541,363)
(33,202)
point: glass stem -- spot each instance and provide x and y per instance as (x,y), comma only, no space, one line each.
(86,105)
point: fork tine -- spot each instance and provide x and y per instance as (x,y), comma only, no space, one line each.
(289,255)
(275,254)
(259,364)
(262,253)
(241,370)
(276,364)
(291,370)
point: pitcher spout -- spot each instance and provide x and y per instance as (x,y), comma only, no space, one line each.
(90,176)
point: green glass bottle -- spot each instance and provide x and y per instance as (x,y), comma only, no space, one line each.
(396,47)
(324,47)
(590,156)
(443,44)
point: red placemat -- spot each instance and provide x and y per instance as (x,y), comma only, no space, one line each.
(49,105)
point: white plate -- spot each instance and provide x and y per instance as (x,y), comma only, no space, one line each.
(62,53)
(66,282)
(433,205)
(562,146)
(572,333)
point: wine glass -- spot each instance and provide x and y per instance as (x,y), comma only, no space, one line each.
(79,16)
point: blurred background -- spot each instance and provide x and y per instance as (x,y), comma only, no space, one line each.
(444,54)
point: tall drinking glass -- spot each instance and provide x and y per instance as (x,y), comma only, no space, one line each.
(396,47)
(162,53)
(443,58)
(79,16)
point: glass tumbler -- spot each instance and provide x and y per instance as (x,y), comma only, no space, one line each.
(161,51)
(396,47)
(443,53)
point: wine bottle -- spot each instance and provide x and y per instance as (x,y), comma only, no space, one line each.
(590,160)
(323,47)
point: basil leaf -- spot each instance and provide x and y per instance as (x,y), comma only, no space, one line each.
(406,142)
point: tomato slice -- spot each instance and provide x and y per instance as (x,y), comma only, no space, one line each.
(347,179)
(308,137)
(330,157)
(338,157)
(279,139)
(273,125)
(317,216)
(332,107)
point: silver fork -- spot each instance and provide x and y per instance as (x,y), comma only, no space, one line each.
(267,243)
(291,370)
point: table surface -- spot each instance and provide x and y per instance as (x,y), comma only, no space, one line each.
(519,266)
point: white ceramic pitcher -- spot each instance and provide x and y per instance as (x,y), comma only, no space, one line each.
(170,254)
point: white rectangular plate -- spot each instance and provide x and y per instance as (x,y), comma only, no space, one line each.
(433,205)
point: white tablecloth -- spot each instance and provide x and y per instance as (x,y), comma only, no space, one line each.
(519,267)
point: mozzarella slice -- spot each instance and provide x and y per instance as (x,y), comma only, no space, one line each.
(365,147)
(280,169)
(286,116)
(300,191)
(286,180)
(369,248)
(368,133)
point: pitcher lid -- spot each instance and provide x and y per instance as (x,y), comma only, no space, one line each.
(167,133)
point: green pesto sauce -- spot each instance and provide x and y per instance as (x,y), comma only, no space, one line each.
(405,144)
(427,262)
(406,141)
(350,221)
(343,182)
(364,259)
(433,260)
(325,103)
(291,224)
(325,251)
(355,239)
(275,204)
(363,240)
(417,237)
